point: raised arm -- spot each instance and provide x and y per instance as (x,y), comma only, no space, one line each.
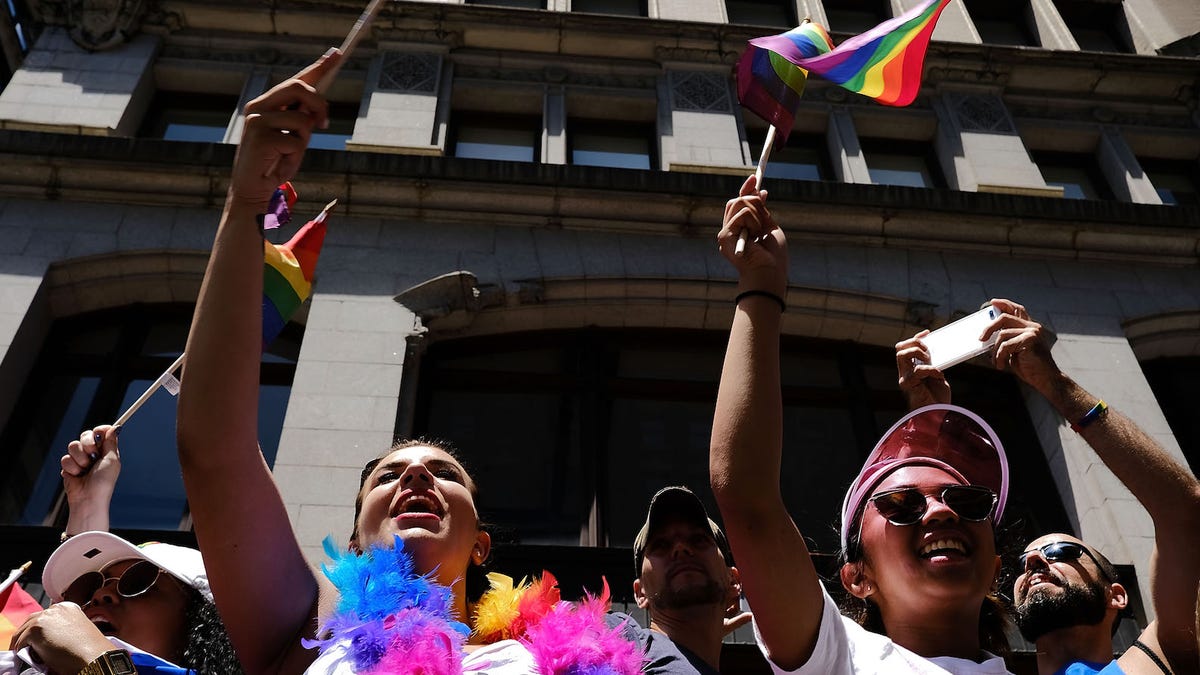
(89,472)
(265,590)
(1168,491)
(777,573)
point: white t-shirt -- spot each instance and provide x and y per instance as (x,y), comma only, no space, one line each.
(846,648)
(507,657)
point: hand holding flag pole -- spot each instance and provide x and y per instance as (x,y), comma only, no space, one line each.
(348,45)
(740,247)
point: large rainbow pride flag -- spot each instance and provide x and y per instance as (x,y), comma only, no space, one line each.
(884,63)
(288,269)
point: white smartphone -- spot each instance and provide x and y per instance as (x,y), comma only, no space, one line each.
(958,341)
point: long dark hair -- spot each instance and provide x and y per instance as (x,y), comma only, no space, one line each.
(208,650)
(476,576)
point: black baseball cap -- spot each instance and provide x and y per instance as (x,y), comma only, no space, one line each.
(676,501)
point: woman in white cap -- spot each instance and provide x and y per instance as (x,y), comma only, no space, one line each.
(117,604)
(917,523)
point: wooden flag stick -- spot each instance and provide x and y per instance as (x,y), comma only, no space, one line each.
(348,45)
(146,394)
(14,575)
(740,247)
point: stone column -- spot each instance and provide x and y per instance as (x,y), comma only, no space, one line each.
(1129,183)
(63,88)
(712,11)
(554,128)
(405,92)
(954,25)
(849,165)
(699,122)
(979,148)
(255,85)
(1052,31)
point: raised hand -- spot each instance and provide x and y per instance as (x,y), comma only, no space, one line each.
(89,472)
(278,126)
(1022,347)
(763,265)
(922,384)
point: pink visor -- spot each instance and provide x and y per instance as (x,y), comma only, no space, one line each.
(945,436)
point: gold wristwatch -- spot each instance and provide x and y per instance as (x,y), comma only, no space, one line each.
(115,662)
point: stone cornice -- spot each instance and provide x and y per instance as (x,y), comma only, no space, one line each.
(144,171)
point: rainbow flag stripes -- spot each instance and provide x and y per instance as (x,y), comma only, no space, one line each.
(288,271)
(884,63)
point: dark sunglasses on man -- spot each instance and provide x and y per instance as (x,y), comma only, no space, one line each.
(1063,551)
(134,581)
(907,506)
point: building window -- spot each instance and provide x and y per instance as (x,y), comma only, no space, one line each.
(624,145)
(1096,26)
(189,116)
(519,4)
(894,162)
(1002,22)
(571,432)
(1077,174)
(24,29)
(1176,182)
(511,138)
(91,368)
(777,13)
(1172,379)
(856,16)
(805,157)
(342,117)
(620,7)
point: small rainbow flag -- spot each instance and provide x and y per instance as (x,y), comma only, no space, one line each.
(884,63)
(16,605)
(288,271)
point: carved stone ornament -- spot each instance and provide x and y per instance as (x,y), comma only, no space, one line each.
(409,71)
(980,112)
(700,92)
(97,25)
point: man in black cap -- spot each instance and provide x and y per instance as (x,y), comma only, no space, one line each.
(686,582)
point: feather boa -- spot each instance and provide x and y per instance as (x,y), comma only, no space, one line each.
(393,620)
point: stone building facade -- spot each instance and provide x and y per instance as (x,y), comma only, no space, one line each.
(522,257)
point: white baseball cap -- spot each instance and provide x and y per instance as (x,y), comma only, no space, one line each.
(93,551)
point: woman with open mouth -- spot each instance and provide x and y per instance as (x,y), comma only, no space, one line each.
(405,597)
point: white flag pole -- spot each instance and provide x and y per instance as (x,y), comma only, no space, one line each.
(165,378)
(14,575)
(740,247)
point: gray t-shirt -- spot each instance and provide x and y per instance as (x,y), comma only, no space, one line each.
(663,657)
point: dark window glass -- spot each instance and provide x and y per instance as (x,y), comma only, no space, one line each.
(25,29)
(625,145)
(520,4)
(504,137)
(805,157)
(1002,22)
(570,433)
(893,162)
(856,16)
(342,117)
(1172,379)
(1096,26)
(1077,174)
(188,116)
(622,7)
(778,13)
(80,382)
(1176,182)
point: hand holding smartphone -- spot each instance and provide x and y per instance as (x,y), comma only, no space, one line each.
(958,341)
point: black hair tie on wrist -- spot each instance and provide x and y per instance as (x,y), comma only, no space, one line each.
(765,294)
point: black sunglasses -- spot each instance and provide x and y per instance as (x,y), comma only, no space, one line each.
(134,581)
(1063,551)
(907,506)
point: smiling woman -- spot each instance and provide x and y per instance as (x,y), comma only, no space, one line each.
(917,526)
